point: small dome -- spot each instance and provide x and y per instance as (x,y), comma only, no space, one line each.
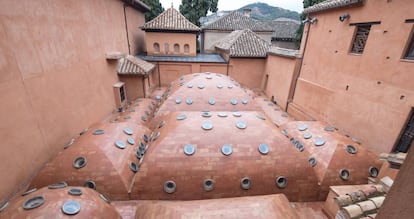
(57,203)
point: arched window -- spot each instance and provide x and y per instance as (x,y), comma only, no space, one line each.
(166,48)
(156,47)
(186,48)
(176,48)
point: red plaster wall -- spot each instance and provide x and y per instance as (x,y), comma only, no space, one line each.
(371,109)
(170,71)
(280,71)
(248,71)
(171,38)
(54,78)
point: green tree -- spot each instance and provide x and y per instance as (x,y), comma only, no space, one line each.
(193,10)
(299,32)
(156,9)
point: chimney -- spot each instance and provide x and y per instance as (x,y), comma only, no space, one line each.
(247,12)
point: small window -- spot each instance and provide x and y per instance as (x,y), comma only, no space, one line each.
(176,48)
(122,93)
(409,54)
(156,47)
(186,48)
(360,39)
(166,48)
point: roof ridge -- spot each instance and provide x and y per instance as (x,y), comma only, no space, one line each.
(170,19)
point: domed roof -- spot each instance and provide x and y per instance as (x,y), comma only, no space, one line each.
(268,206)
(330,152)
(207,92)
(225,147)
(139,111)
(273,111)
(60,202)
(100,157)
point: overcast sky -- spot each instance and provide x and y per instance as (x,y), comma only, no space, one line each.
(293,5)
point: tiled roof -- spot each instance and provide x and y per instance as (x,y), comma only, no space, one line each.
(331,4)
(200,58)
(171,19)
(237,21)
(131,65)
(244,43)
(291,53)
(283,29)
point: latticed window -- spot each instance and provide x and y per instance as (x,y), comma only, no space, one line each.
(410,50)
(360,39)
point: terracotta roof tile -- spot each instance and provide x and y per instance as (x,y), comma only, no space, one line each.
(330,4)
(171,19)
(283,29)
(291,53)
(244,43)
(237,21)
(131,65)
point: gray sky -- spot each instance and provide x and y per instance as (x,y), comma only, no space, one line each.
(293,5)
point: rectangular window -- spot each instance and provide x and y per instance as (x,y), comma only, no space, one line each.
(122,93)
(360,38)
(409,52)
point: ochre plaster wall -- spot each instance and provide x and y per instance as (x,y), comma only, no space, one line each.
(248,71)
(54,78)
(170,71)
(171,38)
(368,96)
(135,34)
(280,71)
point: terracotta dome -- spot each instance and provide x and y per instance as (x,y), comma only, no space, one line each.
(100,157)
(269,206)
(336,159)
(60,203)
(139,111)
(207,91)
(273,111)
(166,159)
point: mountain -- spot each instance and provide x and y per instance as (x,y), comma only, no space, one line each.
(263,11)
(260,11)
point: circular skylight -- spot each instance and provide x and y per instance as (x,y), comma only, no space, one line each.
(318,141)
(245,101)
(207,125)
(222,114)
(226,149)
(237,114)
(33,202)
(71,207)
(351,149)
(189,101)
(260,116)
(200,86)
(373,172)
(302,127)
(189,149)
(79,162)
(230,86)
(344,174)
(177,100)
(307,135)
(133,166)
(206,114)
(181,117)
(312,161)
(241,125)
(190,85)
(131,141)
(169,187)
(233,101)
(329,128)
(158,97)
(219,86)
(245,183)
(128,131)
(208,185)
(212,101)
(120,144)
(98,132)
(281,182)
(264,149)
